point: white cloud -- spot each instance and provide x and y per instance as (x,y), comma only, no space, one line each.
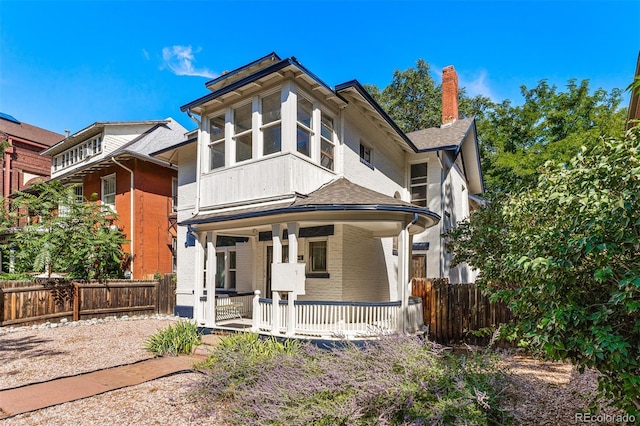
(180,61)
(145,54)
(478,85)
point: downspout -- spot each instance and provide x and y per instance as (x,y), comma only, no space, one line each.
(198,161)
(131,210)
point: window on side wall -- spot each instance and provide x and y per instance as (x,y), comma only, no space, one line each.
(271,123)
(327,144)
(216,144)
(419,184)
(242,117)
(109,191)
(304,126)
(174,195)
(366,154)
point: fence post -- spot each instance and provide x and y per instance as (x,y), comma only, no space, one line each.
(76,302)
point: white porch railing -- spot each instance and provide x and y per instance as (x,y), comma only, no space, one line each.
(243,305)
(339,319)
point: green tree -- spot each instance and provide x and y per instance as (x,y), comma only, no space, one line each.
(565,255)
(414,100)
(549,125)
(63,235)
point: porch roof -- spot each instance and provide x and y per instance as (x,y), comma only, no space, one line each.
(339,199)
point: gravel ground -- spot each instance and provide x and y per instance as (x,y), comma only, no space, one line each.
(540,393)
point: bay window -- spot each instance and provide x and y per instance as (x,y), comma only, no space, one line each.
(318,256)
(304,126)
(242,117)
(271,124)
(216,145)
(326,141)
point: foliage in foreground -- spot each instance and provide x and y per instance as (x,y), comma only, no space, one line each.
(396,380)
(180,338)
(68,236)
(565,255)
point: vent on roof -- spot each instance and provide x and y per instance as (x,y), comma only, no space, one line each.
(8,118)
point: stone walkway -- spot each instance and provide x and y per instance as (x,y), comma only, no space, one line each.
(58,391)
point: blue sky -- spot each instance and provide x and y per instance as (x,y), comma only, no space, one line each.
(67,64)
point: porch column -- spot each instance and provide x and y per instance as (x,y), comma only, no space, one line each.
(404,257)
(210,314)
(292,230)
(198,304)
(276,235)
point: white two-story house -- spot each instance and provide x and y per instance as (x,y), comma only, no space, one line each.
(290,189)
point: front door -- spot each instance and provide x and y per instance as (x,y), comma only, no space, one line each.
(285,259)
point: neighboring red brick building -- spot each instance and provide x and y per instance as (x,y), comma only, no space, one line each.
(22,163)
(110,160)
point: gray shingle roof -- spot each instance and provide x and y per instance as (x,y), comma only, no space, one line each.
(340,194)
(155,139)
(441,137)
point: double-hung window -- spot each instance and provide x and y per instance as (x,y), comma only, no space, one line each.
(243,137)
(109,191)
(271,124)
(216,144)
(304,126)
(327,143)
(419,184)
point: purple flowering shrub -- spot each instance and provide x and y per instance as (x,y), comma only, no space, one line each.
(393,380)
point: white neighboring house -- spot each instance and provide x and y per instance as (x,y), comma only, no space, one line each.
(292,189)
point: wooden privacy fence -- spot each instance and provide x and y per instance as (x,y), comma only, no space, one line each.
(452,310)
(26,302)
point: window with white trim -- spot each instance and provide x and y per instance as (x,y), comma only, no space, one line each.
(216,144)
(318,256)
(304,126)
(174,195)
(79,193)
(327,143)
(226,268)
(109,191)
(419,184)
(78,153)
(242,132)
(271,106)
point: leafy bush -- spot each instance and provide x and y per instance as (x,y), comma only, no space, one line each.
(396,380)
(565,256)
(181,338)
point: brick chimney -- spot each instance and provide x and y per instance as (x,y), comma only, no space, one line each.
(449,95)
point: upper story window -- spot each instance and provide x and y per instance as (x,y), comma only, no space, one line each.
(77,153)
(304,126)
(271,123)
(419,184)
(327,143)
(109,191)
(242,132)
(216,144)
(366,154)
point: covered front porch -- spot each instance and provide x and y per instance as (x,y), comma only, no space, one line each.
(317,319)
(309,269)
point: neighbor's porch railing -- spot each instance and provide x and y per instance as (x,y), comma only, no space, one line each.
(336,319)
